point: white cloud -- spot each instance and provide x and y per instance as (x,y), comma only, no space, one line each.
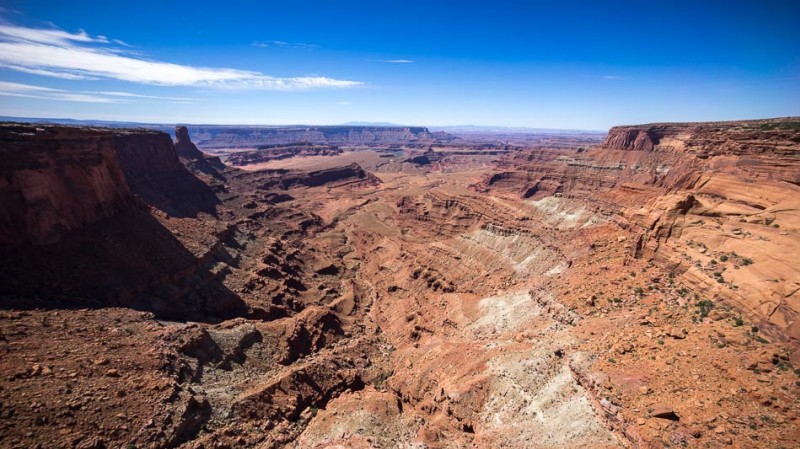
(9,86)
(57,53)
(282,44)
(43,72)
(614,77)
(344,103)
(132,95)
(47,36)
(10,89)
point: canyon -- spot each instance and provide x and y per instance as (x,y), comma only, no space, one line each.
(369,287)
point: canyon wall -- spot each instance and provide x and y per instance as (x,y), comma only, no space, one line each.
(156,174)
(717,202)
(57,179)
(79,220)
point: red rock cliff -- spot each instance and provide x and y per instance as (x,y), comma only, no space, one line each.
(716,202)
(55,179)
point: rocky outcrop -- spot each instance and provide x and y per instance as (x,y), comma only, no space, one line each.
(633,139)
(184,146)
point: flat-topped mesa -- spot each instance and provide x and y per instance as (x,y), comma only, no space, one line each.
(54,179)
(776,136)
(266,153)
(347,175)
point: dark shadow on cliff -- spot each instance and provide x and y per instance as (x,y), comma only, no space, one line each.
(157,176)
(129,260)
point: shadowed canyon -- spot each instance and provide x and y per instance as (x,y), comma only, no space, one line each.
(392,287)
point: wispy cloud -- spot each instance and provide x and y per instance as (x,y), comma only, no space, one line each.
(394,61)
(10,89)
(283,44)
(61,54)
(43,72)
(615,77)
(344,103)
(132,95)
(5,10)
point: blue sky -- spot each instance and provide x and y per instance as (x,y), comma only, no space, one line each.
(564,64)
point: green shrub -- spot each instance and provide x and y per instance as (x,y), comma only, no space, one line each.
(704,307)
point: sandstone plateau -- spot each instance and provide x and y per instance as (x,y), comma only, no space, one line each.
(392,287)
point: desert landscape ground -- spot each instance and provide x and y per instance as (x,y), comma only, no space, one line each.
(392,287)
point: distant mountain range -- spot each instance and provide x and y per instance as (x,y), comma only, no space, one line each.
(384,124)
(479,129)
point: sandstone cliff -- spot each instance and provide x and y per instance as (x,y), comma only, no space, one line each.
(56,179)
(155,173)
(718,202)
(78,220)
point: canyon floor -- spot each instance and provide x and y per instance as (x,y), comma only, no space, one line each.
(368,301)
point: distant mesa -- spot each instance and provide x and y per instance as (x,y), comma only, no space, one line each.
(226,137)
(267,153)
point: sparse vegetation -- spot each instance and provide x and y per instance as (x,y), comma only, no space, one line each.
(785,365)
(704,307)
(784,125)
